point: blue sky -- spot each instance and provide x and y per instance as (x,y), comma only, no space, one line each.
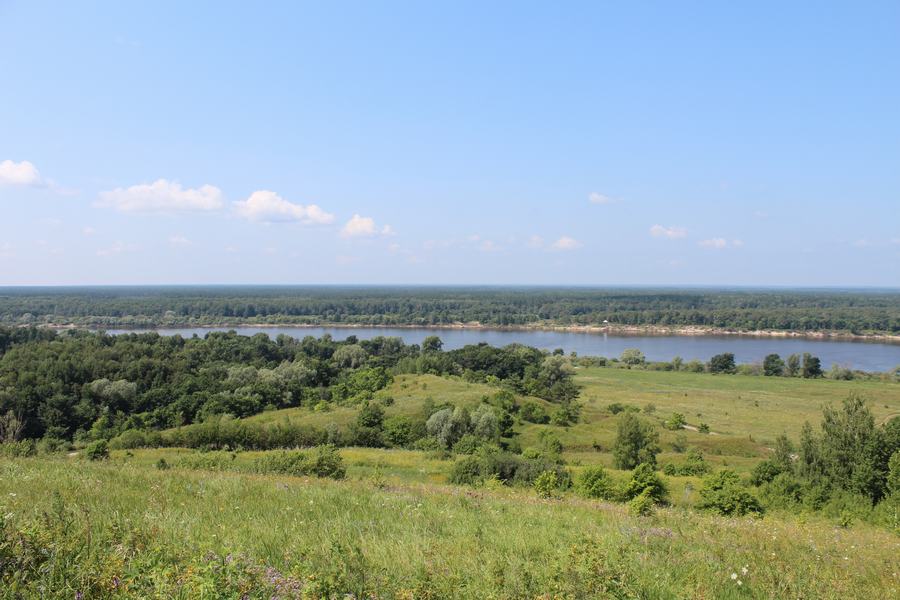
(381,142)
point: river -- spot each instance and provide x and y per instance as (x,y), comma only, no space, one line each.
(856,354)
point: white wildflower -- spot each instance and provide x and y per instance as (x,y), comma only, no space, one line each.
(733,576)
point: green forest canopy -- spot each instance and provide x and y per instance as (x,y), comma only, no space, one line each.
(857,311)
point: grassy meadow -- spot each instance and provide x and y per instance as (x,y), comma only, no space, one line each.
(394,527)
(124,529)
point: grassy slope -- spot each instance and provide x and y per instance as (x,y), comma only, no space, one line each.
(409,393)
(147,532)
(745,413)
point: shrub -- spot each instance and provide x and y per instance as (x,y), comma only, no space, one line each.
(782,492)
(19,449)
(724,493)
(644,478)
(282,463)
(327,462)
(694,464)
(208,461)
(98,450)
(506,467)
(595,482)
(51,445)
(466,471)
(773,366)
(722,363)
(694,366)
(642,504)
(636,443)
(162,464)
(398,431)
(547,484)
(632,357)
(467,444)
(703,428)
(893,478)
(566,415)
(764,472)
(427,444)
(615,408)
(533,412)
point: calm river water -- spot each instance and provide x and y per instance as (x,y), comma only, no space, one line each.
(867,356)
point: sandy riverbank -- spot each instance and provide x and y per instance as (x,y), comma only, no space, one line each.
(610,329)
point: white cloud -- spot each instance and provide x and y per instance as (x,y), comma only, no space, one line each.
(598,198)
(269,207)
(671,233)
(566,243)
(718,243)
(117,248)
(21,173)
(536,241)
(7,250)
(488,246)
(162,196)
(714,243)
(359,226)
(179,241)
(88,231)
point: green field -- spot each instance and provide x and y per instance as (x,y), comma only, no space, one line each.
(395,527)
(124,529)
(744,413)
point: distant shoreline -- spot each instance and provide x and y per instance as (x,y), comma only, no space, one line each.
(611,329)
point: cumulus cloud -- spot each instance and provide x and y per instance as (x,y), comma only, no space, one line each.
(269,207)
(19,173)
(566,243)
(535,241)
(714,243)
(598,198)
(359,226)
(718,243)
(119,247)
(671,232)
(180,241)
(162,196)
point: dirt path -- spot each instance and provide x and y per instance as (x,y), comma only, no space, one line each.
(692,428)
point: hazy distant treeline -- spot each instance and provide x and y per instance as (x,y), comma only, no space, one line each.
(850,311)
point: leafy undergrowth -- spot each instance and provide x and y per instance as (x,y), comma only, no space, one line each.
(113,530)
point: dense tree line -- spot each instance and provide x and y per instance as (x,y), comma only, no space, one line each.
(847,311)
(90,386)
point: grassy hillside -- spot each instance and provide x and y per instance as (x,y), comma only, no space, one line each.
(744,413)
(409,392)
(129,530)
(395,528)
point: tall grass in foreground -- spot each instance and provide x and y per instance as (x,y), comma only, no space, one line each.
(112,530)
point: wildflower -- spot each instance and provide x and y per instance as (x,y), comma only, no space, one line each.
(740,582)
(733,576)
(744,570)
